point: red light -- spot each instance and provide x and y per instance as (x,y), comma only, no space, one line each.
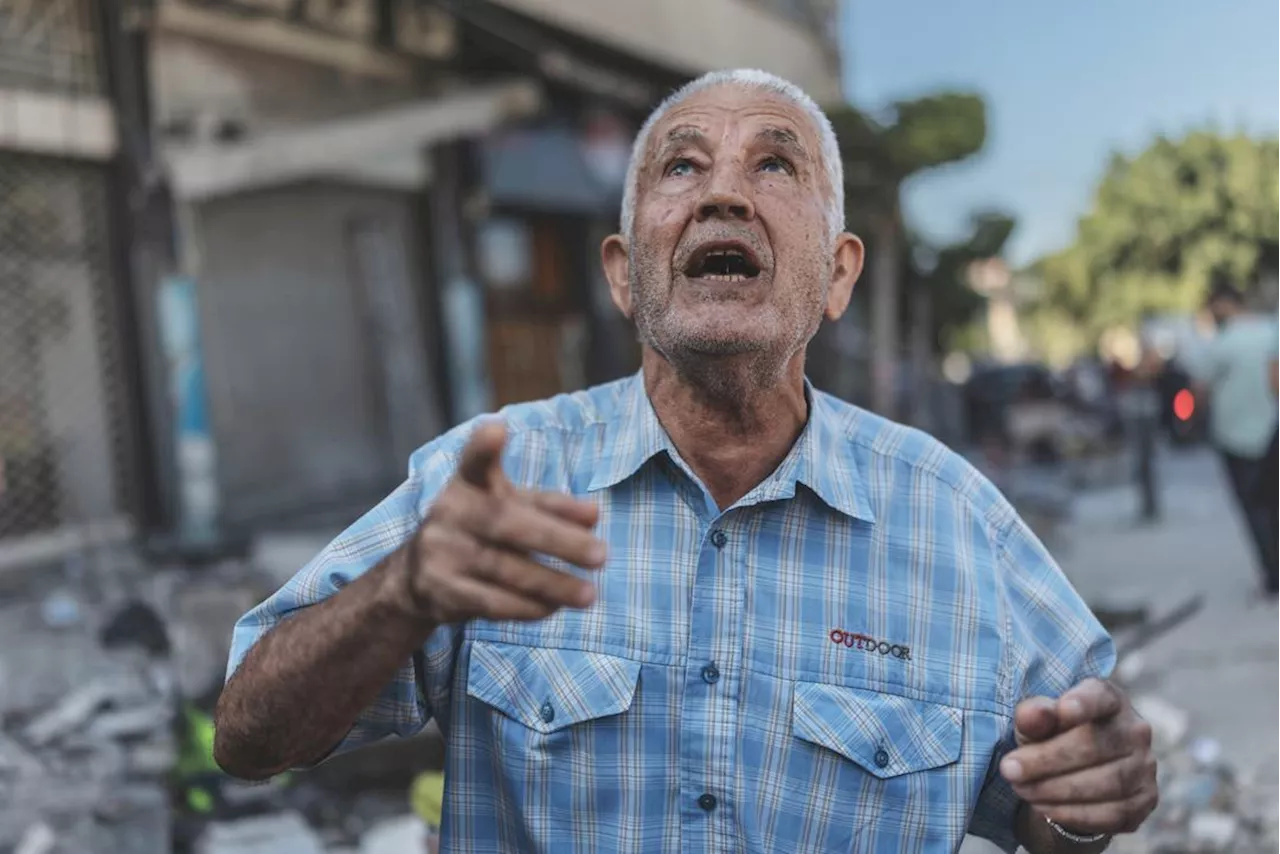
(1184,405)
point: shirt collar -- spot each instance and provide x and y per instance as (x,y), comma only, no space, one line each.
(821,459)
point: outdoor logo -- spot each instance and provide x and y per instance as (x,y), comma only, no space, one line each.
(869,644)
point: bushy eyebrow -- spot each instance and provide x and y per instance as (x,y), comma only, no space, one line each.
(785,140)
(679,137)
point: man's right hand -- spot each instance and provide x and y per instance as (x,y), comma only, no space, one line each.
(472,556)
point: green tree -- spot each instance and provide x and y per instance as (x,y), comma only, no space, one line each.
(879,156)
(1160,224)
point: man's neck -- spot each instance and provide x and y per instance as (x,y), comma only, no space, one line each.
(731,444)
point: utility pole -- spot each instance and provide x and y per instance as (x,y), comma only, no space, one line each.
(142,250)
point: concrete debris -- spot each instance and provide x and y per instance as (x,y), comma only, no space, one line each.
(1168,723)
(1212,831)
(1130,668)
(87,712)
(282,833)
(134,722)
(38,839)
(153,758)
(404,834)
(78,707)
(16,760)
(1205,808)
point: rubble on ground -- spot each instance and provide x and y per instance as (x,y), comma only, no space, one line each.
(100,668)
(1207,806)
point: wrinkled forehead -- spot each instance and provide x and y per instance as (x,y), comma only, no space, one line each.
(734,114)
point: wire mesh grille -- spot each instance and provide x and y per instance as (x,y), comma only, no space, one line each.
(50,46)
(60,437)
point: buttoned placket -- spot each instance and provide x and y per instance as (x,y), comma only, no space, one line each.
(712,680)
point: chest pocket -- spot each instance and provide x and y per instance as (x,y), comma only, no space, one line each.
(890,757)
(547,690)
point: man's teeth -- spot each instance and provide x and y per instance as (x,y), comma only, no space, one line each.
(723,277)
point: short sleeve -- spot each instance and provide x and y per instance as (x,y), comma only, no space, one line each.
(422,685)
(1203,362)
(1053,642)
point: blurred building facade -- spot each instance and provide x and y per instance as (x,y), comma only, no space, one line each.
(348,226)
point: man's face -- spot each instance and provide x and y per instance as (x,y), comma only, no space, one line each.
(1222,309)
(730,252)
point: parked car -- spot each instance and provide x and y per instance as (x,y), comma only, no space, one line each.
(1020,407)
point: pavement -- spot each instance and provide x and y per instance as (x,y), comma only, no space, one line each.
(1221,666)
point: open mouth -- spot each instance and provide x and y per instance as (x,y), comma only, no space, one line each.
(723,262)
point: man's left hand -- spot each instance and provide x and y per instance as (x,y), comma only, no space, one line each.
(1084,760)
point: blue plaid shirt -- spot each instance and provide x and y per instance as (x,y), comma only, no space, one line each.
(830,665)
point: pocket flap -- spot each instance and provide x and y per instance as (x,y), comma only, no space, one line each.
(885,734)
(549,689)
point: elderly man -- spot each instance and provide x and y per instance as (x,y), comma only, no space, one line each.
(707,608)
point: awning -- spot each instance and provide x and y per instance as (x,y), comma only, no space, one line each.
(345,144)
(544,169)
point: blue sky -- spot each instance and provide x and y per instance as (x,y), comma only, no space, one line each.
(1065,84)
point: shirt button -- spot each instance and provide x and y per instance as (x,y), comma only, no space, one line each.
(707,801)
(548,712)
(719,538)
(711,674)
(882,758)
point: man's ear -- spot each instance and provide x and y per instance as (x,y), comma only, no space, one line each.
(617,269)
(849,255)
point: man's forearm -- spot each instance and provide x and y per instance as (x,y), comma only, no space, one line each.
(303,685)
(1035,835)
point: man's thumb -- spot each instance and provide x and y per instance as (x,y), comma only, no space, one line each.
(481,463)
(1035,720)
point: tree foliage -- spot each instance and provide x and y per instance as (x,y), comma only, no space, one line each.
(923,133)
(1160,224)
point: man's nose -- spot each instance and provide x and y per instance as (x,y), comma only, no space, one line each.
(724,199)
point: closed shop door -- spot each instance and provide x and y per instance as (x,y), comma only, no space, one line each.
(319,380)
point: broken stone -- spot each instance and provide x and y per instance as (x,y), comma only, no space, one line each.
(1169,724)
(395,836)
(1212,831)
(1130,668)
(38,839)
(282,833)
(153,758)
(137,721)
(16,760)
(78,707)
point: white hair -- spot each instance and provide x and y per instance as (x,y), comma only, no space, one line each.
(748,79)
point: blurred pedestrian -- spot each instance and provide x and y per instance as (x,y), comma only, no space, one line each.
(1237,372)
(816,631)
(1144,406)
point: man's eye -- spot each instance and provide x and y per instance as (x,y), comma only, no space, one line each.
(775,164)
(680,168)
